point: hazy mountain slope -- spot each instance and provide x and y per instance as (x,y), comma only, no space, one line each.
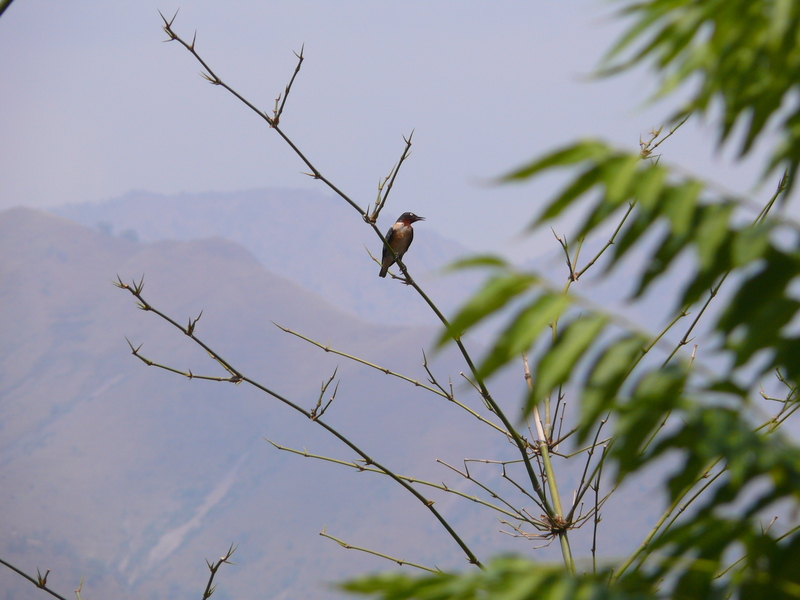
(311,238)
(132,476)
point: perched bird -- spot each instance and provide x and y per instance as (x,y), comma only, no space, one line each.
(399,237)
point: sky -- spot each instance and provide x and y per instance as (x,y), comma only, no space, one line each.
(93,104)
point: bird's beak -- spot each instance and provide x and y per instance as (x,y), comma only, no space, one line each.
(420,219)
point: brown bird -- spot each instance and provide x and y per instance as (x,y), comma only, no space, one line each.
(399,237)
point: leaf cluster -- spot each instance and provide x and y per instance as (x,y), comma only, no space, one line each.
(737,57)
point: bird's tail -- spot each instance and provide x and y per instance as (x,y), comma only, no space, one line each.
(384,270)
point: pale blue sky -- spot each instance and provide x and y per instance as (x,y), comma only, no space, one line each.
(93,104)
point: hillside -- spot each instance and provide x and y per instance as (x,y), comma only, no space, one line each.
(313,239)
(131,476)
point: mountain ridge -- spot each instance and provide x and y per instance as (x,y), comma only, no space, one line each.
(311,238)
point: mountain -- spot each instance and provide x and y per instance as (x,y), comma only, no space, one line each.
(131,476)
(315,240)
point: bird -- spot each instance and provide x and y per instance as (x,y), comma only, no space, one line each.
(399,237)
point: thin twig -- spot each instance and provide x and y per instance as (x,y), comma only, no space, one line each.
(213,78)
(515,512)
(136,291)
(39,581)
(393,175)
(224,560)
(278,111)
(577,275)
(399,561)
(445,488)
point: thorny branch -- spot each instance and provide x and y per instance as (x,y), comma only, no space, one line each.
(279,109)
(437,389)
(318,409)
(39,581)
(439,486)
(136,290)
(224,560)
(399,561)
(380,202)
(213,78)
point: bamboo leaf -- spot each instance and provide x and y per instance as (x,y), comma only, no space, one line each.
(607,374)
(524,328)
(493,296)
(588,150)
(558,363)
(585,181)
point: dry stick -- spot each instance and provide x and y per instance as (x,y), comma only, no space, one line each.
(787,409)
(573,276)
(224,560)
(362,361)
(608,244)
(40,581)
(399,561)
(588,448)
(237,377)
(564,437)
(585,482)
(557,519)
(393,175)
(214,79)
(318,409)
(517,514)
(648,147)
(598,468)
(597,512)
(565,246)
(278,111)
(508,478)
(572,263)
(685,339)
(550,423)
(484,392)
(438,392)
(784,415)
(188,373)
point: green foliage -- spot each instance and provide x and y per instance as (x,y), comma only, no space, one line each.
(738,57)
(505,578)
(742,59)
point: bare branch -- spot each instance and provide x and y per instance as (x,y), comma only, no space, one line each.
(399,561)
(279,110)
(381,202)
(367,459)
(224,560)
(39,581)
(439,486)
